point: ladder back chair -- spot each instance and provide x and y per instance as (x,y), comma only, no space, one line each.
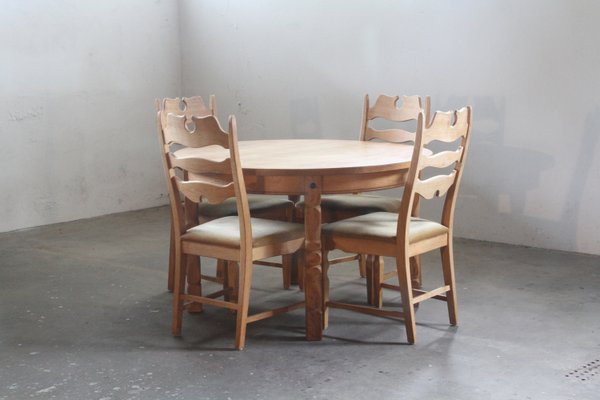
(386,108)
(400,234)
(337,207)
(238,239)
(271,207)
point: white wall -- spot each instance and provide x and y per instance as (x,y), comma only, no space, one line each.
(77,85)
(529,68)
(78,79)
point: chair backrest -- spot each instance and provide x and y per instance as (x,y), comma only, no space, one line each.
(188,106)
(448,127)
(386,108)
(203,174)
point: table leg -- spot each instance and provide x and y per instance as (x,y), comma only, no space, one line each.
(294,259)
(313,283)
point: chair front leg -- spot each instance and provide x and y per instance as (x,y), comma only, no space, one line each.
(404,280)
(243,302)
(449,279)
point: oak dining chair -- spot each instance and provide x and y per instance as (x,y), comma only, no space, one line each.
(238,239)
(403,236)
(388,121)
(263,206)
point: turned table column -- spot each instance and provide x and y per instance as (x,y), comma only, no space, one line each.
(313,281)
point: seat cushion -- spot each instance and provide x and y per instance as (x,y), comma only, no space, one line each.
(357,204)
(382,226)
(226,232)
(258,204)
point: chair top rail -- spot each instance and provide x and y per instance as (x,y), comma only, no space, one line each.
(206,131)
(386,107)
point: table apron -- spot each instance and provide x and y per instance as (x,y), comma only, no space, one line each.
(335,183)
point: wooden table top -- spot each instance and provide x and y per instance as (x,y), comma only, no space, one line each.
(312,167)
(315,156)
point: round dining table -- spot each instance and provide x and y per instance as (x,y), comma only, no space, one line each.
(312,167)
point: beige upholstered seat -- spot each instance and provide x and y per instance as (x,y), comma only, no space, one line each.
(383,226)
(263,206)
(260,205)
(225,232)
(237,239)
(357,204)
(403,236)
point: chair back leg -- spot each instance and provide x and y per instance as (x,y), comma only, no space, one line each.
(286,264)
(362,265)
(374,268)
(194,282)
(415,271)
(230,281)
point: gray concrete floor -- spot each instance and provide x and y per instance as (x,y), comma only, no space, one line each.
(84,314)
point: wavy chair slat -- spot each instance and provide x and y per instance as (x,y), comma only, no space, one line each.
(390,135)
(188,106)
(196,107)
(447,126)
(435,186)
(195,165)
(206,132)
(440,160)
(211,192)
